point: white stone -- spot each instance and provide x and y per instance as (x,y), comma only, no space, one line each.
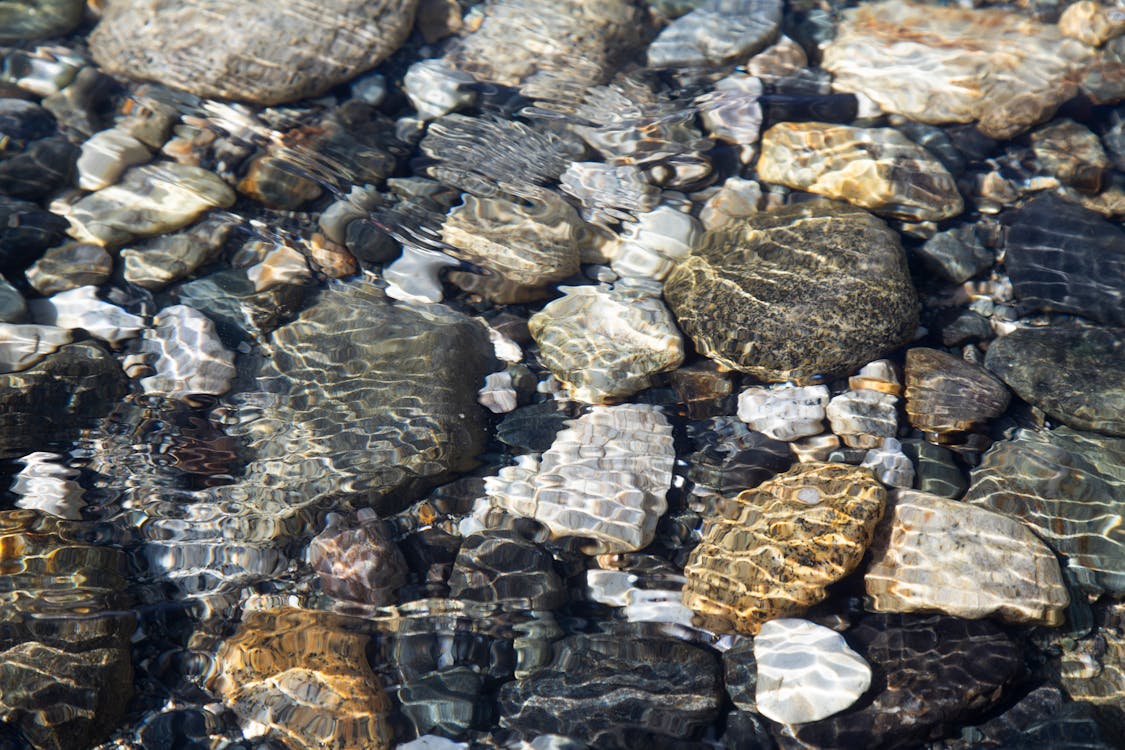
(806,672)
(784,412)
(436,88)
(24,344)
(282,266)
(890,464)
(416,275)
(736,199)
(653,245)
(497,394)
(82,309)
(188,356)
(47,484)
(863,418)
(106,156)
(604,478)
(731,112)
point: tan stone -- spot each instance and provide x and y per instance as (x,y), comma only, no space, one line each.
(876,168)
(933,554)
(1092,23)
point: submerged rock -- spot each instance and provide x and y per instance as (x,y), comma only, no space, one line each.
(616,690)
(805,672)
(800,293)
(21,20)
(933,554)
(359,564)
(1065,258)
(716,33)
(302,678)
(606,343)
(502,567)
(604,478)
(947,64)
(875,168)
(945,394)
(1076,375)
(22,345)
(1064,485)
(784,412)
(265,52)
(69,266)
(775,548)
(187,355)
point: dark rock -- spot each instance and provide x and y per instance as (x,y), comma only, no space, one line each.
(967,326)
(80,381)
(240,313)
(1064,484)
(935,469)
(39,169)
(26,230)
(533,427)
(447,702)
(945,394)
(731,458)
(1074,726)
(502,566)
(235,50)
(955,255)
(358,562)
(740,673)
(1062,257)
(804,292)
(746,731)
(929,673)
(1076,375)
(616,690)
(69,266)
(32,19)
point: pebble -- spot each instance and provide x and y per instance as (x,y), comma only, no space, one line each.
(716,33)
(356,560)
(23,344)
(70,266)
(784,412)
(38,169)
(444,702)
(265,53)
(800,293)
(1072,153)
(875,168)
(187,356)
(609,193)
(806,672)
(863,417)
(956,255)
(1065,258)
(653,245)
(81,308)
(106,156)
(889,464)
(606,343)
(933,554)
(154,263)
(775,548)
(503,567)
(301,677)
(47,484)
(148,200)
(946,394)
(935,469)
(26,230)
(23,20)
(435,88)
(1064,485)
(1092,23)
(1076,375)
(729,458)
(604,478)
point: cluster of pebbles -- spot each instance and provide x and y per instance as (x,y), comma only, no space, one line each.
(557,374)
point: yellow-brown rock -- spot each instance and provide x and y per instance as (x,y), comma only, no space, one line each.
(942,64)
(1092,22)
(303,678)
(776,547)
(879,169)
(933,554)
(1072,153)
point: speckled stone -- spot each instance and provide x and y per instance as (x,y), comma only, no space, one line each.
(878,169)
(775,548)
(932,554)
(302,678)
(1069,488)
(1065,258)
(808,291)
(616,690)
(230,50)
(1076,375)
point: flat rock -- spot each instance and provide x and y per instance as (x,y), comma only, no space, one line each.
(69,266)
(1067,487)
(715,33)
(157,262)
(23,20)
(1062,257)
(806,672)
(616,690)
(776,547)
(948,64)
(606,343)
(152,199)
(1076,375)
(302,678)
(265,53)
(807,291)
(24,344)
(932,554)
(946,394)
(26,230)
(187,355)
(879,169)
(604,478)
(928,673)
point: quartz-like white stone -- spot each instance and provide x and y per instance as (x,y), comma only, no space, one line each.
(653,245)
(863,418)
(890,464)
(436,88)
(806,672)
(81,308)
(106,155)
(47,484)
(497,394)
(188,356)
(416,275)
(784,412)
